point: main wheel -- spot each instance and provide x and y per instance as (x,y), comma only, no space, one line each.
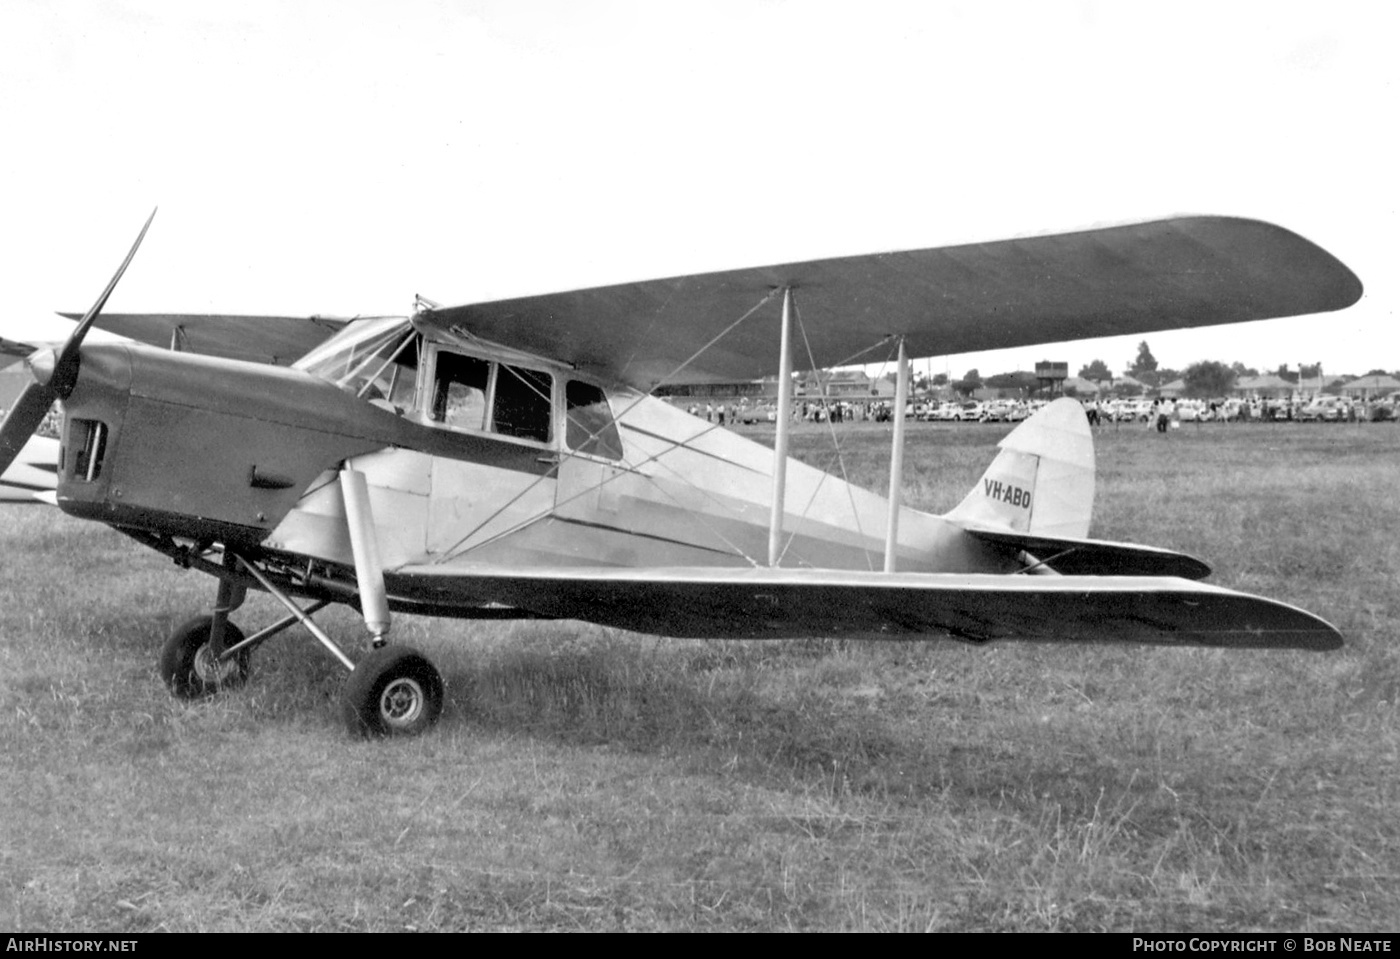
(394,691)
(191,671)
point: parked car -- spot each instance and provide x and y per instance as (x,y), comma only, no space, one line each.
(1192,411)
(1325,409)
(996,411)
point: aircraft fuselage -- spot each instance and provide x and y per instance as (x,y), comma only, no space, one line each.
(483,458)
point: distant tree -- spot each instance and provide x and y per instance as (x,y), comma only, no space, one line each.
(1145,362)
(1126,389)
(1242,370)
(1310,371)
(1377,373)
(1097,371)
(1285,374)
(972,381)
(1208,378)
(940,379)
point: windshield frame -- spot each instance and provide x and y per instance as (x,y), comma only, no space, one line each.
(354,334)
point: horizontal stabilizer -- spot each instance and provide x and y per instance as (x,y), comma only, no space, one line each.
(780,603)
(1093,557)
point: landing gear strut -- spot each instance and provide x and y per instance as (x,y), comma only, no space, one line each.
(392,691)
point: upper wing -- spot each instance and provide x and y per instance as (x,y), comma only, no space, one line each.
(767,603)
(1165,274)
(262,339)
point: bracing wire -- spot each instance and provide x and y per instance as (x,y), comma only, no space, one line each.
(455,550)
(835,442)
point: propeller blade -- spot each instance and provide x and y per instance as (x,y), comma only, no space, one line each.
(65,372)
(54,378)
(23,419)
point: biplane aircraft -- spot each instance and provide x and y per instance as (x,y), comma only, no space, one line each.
(508,459)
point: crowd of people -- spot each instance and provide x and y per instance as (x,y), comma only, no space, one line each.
(1162,413)
(808,411)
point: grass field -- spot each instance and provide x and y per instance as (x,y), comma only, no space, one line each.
(583,778)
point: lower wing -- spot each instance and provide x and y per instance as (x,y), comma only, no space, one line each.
(33,474)
(779,603)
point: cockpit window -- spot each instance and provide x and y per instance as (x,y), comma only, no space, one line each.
(470,393)
(523,406)
(459,397)
(590,421)
(375,359)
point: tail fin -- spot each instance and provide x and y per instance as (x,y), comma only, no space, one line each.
(1042,481)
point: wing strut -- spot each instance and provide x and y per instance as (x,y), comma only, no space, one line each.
(780,443)
(901,395)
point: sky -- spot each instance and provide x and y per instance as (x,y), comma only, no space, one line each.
(340,157)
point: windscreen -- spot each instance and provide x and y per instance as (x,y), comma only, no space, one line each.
(376,359)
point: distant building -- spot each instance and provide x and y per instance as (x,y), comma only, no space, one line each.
(1081,386)
(848,385)
(1052,376)
(834,384)
(1366,386)
(750,390)
(1270,386)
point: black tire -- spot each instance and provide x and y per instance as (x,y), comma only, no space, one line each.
(394,691)
(189,670)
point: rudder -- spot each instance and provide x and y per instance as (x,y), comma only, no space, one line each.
(1042,481)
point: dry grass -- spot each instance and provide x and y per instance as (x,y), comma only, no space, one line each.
(583,778)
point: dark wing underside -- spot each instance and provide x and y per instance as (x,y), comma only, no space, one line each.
(785,603)
(1165,274)
(261,339)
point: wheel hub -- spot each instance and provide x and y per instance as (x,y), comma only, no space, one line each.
(402,701)
(211,671)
